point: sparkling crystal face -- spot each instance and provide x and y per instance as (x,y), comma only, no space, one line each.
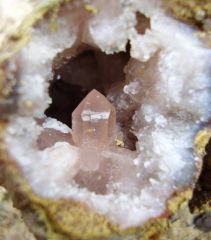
(93,121)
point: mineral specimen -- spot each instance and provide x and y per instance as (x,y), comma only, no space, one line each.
(154,71)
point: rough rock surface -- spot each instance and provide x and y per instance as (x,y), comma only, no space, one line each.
(12,225)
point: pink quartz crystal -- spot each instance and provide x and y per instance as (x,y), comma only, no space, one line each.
(93,128)
(94,121)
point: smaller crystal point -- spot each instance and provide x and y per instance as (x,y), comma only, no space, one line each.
(94,121)
(91,159)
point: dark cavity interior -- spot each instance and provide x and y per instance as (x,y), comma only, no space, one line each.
(76,72)
(75,76)
(142,23)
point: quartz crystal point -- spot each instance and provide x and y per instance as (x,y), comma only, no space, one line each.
(93,121)
(93,128)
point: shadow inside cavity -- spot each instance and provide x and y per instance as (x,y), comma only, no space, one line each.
(142,23)
(75,73)
(87,69)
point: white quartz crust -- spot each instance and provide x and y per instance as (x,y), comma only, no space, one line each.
(55,124)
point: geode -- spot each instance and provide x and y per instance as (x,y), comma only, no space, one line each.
(122,162)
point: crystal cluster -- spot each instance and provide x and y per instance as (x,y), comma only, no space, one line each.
(163,101)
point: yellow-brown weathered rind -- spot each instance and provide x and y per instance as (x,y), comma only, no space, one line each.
(13,43)
(22,35)
(195,12)
(67,219)
(201,200)
(181,225)
(12,225)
